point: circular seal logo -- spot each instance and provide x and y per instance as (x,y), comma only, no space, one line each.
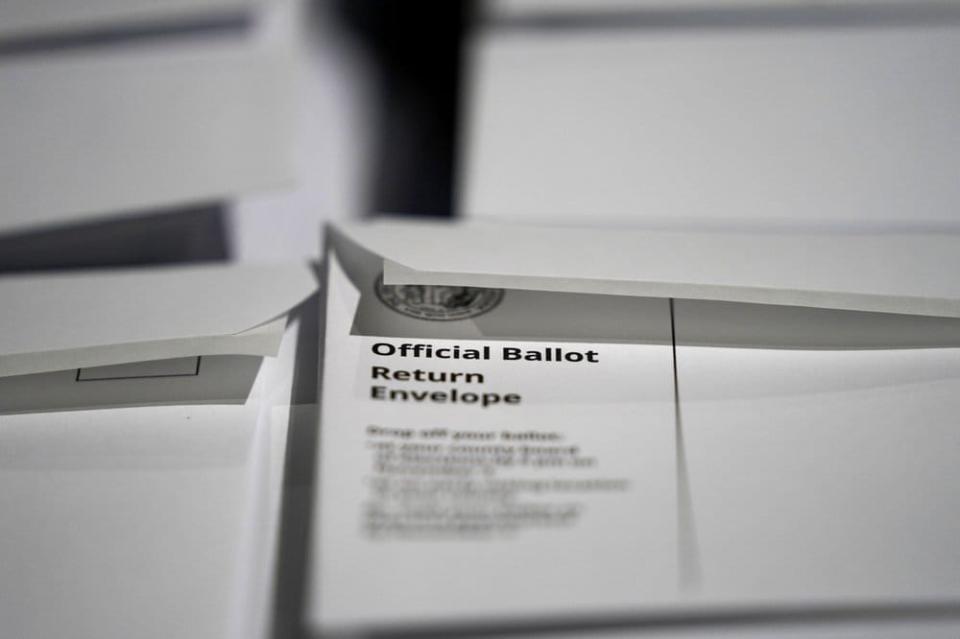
(439,303)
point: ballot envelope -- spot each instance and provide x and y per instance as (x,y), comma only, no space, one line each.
(143,420)
(554,427)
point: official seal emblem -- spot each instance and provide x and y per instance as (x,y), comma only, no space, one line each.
(438,303)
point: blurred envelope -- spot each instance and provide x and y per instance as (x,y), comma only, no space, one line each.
(117,127)
(59,322)
(890,272)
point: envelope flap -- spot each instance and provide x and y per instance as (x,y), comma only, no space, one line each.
(41,313)
(897,272)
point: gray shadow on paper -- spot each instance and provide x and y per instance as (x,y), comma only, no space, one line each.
(217,379)
(740,325)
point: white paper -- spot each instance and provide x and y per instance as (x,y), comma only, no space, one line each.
(851,124)
(885,272)
(55,322)
(820,473)
(398,541)
(148,521)
(120,131)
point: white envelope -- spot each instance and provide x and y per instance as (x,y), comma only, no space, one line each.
(101,318)
(366,573)
(811,451)
(658,108)
(115,130)
(114,515)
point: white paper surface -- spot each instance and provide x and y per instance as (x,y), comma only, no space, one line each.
(404,537)
(822,474)
(888,272)
(53,322)
(850,125)
(148,521)
(120,522)
(121,130)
